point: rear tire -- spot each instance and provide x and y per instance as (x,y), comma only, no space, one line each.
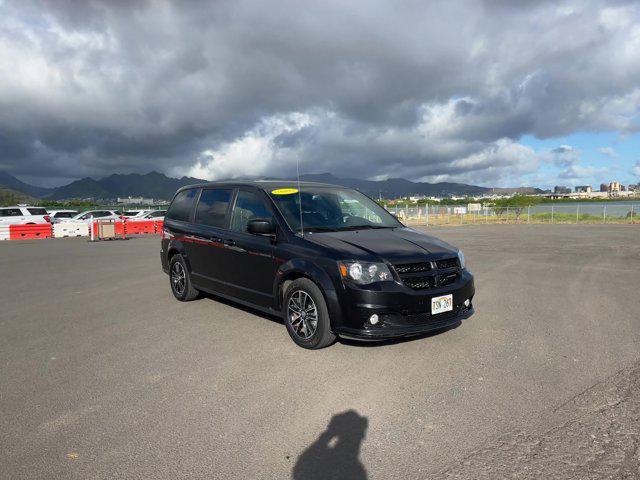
(180,280)
(311,329)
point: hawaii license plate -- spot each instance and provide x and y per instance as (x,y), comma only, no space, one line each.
(441,304)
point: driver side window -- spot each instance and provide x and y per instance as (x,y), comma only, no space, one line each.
(248,206)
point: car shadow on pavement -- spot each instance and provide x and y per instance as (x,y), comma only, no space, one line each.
(394,341)
(335,453)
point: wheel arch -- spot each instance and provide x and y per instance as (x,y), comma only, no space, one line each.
(294,270)
(174,249)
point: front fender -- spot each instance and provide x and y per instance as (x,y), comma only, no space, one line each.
(296,268)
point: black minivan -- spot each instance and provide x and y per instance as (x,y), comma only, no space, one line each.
(327,259)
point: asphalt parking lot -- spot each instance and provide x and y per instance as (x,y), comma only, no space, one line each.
(105,375)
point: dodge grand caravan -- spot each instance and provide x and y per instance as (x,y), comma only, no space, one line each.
(329,260)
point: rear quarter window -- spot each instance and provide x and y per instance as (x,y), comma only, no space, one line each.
(37,211)
(10,212)
(180,208)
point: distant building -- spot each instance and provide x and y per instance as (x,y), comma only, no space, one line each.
(634,188)
(561,190)
(604,187)
(614,187)
(583,189)
(135,201)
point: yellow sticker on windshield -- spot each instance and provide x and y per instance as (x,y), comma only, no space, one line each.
(284,191)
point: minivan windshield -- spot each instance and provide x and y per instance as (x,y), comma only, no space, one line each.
(330,209)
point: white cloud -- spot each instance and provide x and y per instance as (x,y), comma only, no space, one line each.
(608,152)
(252,154)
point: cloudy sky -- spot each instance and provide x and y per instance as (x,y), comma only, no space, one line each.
(495,93)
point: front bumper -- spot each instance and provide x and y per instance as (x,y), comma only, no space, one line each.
(402,312)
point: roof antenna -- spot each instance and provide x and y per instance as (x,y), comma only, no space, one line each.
(299,195)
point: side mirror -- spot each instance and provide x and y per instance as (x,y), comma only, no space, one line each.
(260,226)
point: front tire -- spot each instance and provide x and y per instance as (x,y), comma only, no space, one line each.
(180,280)
(306,316)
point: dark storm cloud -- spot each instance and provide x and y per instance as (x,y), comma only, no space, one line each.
(419,89)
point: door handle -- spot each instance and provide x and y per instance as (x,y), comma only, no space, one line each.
(230,242)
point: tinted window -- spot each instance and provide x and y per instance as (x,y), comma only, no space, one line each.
(212,207)
(10,212)
(180,208)
(249,205)
(64,214)
(101,214)
(157,213)
(37,211)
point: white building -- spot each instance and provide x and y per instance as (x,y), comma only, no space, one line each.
(135,201)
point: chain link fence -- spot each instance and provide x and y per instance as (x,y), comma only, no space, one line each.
(543,213)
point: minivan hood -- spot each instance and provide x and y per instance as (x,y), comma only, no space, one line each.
(398,245)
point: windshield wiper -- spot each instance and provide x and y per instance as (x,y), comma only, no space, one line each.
(360,227)
(345,228)
(321,229)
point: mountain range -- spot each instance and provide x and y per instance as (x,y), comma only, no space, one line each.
(160,187)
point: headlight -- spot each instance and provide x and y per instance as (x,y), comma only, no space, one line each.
(461,258)
(364,273)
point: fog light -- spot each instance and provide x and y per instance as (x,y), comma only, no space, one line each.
(373,319)
(467,302)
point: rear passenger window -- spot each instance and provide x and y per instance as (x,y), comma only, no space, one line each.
(10,212)
(180,208)
(37,211)
(248,206)
(212,207)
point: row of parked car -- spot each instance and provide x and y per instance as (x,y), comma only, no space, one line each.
(24,215)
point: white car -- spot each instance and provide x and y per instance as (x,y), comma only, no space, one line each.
(134,214)
(92,215)
(23,215)
(58,215)
(149,215)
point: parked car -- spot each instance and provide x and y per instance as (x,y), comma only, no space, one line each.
(134,214)
(23,215)
(57,215)
(92,215)
(151,215)
(327,259)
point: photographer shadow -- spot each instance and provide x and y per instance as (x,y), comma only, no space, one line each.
(335,454)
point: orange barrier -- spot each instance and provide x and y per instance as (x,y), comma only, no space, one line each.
(139,227)
(159,225)
(23,232)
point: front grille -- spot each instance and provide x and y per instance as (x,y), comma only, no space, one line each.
(447,263)
(413,268)
(447,279)
(420,283)
(413,274)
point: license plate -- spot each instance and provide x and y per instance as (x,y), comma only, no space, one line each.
(441,304)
